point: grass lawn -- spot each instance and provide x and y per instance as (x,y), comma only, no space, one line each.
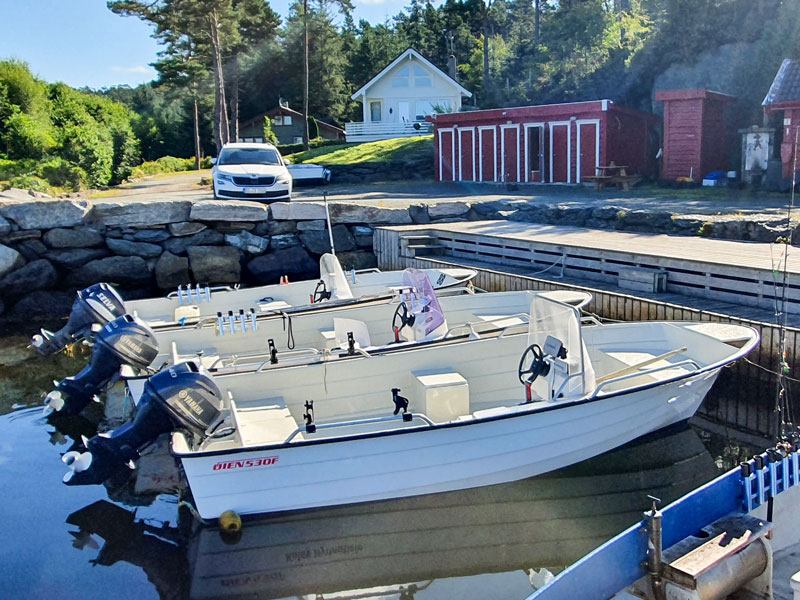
(381,151)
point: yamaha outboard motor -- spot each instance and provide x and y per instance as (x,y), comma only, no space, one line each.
(124,341)
(181,397)
(99,303)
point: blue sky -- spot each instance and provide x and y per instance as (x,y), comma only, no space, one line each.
(82,43)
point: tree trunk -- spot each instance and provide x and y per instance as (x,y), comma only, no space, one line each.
(234,103)
(537,21)
(222,133)
(305,74)
(485,26)
(196,132)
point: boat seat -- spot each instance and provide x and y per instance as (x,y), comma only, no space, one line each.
(630,358)
(261,422)
(442,397)
(502,320)
(328,338)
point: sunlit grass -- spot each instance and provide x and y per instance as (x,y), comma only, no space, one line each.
(381,151)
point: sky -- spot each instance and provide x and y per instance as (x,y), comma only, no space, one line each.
(82,43)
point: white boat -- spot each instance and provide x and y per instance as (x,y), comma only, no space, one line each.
(186,306)
(341,431)
(101,303)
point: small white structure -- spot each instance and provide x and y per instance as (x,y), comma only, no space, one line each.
(397,100)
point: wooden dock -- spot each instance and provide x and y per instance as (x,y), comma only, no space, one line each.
(486,246)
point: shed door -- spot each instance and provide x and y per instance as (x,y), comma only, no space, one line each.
(510,149)
(487,168)
(588,148)
(534,153)
(446,150)
(560,152)
(466,155)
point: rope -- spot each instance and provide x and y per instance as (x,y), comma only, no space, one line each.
(192,510)
(290,334)
(561,260)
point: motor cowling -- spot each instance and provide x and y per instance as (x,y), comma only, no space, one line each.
(97,304)
(184,396)
(126,340)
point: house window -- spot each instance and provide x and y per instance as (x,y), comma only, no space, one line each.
(421,77)
(375,111)
(287,119)
(277,120)
(298,139)
(401,78)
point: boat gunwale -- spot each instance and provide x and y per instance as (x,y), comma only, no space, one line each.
(740,352)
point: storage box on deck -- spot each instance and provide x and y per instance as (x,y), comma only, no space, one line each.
(442,397)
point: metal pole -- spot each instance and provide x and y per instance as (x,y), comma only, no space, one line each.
(328,219)
(654,550)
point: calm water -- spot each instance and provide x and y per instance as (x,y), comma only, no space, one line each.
(64,542)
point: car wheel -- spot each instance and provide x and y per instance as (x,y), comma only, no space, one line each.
(214,191)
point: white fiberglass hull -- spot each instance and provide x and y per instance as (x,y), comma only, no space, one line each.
(507,447)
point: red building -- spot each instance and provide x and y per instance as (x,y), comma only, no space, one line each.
(694,133)
(553,143)
(784,95)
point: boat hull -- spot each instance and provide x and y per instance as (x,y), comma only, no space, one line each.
(455,456)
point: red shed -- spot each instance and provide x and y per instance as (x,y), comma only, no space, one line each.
(784,95)
(552,143)
(694,132)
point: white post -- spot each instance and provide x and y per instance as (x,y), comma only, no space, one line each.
(364,106)
(328,219)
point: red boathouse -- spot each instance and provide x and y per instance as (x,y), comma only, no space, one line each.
(552,143)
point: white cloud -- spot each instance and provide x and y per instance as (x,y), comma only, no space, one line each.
(139,69)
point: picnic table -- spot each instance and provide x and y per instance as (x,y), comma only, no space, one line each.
(612,175)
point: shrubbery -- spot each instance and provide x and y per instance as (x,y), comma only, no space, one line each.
(168,164)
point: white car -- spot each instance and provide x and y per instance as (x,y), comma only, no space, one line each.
(251,172)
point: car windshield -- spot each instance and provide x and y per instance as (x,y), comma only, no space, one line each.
(248,156)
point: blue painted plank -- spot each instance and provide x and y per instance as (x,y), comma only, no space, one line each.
(618,563)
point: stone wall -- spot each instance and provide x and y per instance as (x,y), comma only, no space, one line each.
(50,247)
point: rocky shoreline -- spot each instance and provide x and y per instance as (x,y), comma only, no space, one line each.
(51,247)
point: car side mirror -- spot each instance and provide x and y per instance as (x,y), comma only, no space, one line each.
(213,160)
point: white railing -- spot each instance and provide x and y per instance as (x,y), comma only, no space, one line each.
(370,132)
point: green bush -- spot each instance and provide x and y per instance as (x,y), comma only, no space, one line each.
(23,136)
(28,182)
(168,164)
(287,149)
(60,173)
(313,128)
(14,168)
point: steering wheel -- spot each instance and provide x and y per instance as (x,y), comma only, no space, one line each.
(406,318)
(320,293)
(536,365)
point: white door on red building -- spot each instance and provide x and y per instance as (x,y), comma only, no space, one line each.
(588,148)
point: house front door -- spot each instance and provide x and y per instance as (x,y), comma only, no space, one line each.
(403,112)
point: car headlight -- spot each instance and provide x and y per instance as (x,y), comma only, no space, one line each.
(223,177)
(285,179)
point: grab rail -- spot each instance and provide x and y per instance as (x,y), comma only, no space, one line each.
(368,421)
(684,363)
(206,289)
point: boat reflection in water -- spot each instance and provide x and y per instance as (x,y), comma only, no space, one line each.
(405,548)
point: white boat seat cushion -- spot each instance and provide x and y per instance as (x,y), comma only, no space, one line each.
(263,422)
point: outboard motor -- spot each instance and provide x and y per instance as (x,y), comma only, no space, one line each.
(183,396)
(99,303)
(124,341)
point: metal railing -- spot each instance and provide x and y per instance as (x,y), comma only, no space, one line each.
(367,131)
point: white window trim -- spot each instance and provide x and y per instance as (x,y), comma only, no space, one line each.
(515,127)
(596,123)
(493,129)
(528,127)
(569,148)
(461,152)
(451,131)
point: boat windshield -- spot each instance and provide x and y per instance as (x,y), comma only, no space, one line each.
(249,156)
(330,271)
(424,301)
(553,318)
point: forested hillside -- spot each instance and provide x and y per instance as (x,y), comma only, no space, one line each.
(225,61)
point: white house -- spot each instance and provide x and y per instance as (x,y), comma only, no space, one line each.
(397,100)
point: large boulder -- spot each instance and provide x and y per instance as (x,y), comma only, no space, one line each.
(419,213)
(293,261)
(172,271)
(5,226)
(357,260)
(10,259)
(348,212)
(244,240)
(319,242)
(32,249)
(447,210)
(126,248)
(208,237)
(36,275)
(186,228)
(43,307)
(152,236)
(214,264)
(126,271)
(72,258)
(363,235)
(228,210)
(314,225)
(44,214)
(83,237)
(297,211)
(140,212)
(284,240)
